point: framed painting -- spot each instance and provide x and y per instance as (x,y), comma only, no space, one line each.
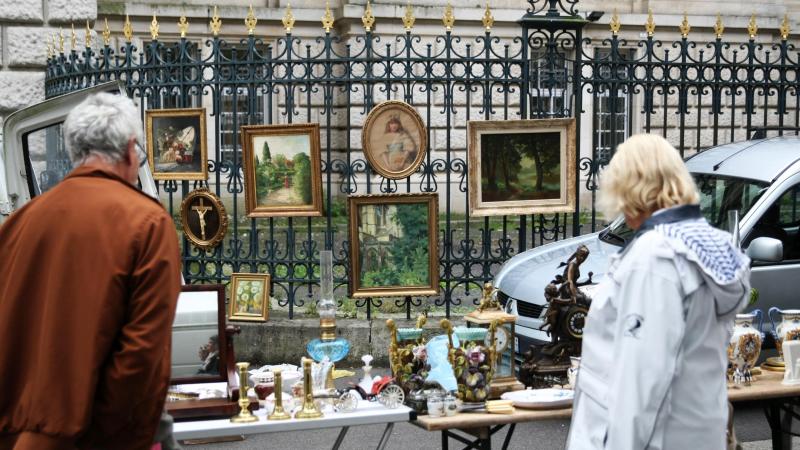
(176,143)
(393,245)
(203,218)
(394,139)
(283,176)
(249,297)
(521,167)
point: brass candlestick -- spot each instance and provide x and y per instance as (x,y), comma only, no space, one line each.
(244,415)
(309,410)
(278,413)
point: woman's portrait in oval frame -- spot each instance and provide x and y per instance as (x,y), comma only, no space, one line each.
(394,139)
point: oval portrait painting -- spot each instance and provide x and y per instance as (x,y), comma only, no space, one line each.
(394,139)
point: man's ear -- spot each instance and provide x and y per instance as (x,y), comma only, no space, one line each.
(131,153)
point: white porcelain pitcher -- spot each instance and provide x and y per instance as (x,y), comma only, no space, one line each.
(787,329)
(744,346)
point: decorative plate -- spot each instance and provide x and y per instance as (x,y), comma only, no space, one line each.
(540,398)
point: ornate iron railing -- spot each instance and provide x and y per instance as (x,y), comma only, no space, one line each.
(695,94)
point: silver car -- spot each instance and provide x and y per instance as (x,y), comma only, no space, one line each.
(759,178)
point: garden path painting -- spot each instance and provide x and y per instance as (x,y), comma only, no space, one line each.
(520,166)
(283,170)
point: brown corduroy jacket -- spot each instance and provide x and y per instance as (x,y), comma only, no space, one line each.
(89,279)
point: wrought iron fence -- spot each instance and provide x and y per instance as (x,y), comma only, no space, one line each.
(697,94)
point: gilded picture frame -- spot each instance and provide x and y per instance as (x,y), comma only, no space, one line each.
(249,297)
(176,143)
(203,218)
(394,139)
(519,167)
(394,238)
(282,169)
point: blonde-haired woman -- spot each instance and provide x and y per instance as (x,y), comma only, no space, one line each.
(653,369)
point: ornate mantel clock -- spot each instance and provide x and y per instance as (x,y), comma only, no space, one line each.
(488,311)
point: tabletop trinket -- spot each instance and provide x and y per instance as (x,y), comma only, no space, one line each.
(472,360)
(244,415)
(745,346)
(791,354)
(278,412)
(408,356)
(788,329)
(309,410)
(567,307)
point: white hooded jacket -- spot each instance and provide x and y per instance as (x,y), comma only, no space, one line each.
(653,371)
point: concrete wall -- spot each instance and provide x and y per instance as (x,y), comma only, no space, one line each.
(26,26)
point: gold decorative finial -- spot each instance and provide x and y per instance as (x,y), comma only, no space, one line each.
(154,27)
(409,19)
(752,28)
(368,19)
(61,40)
(49,50)
(127,29)
(250,21)
(216,23)
(327,19)
(449,19)
(650,25)
(288,19)
(74,38)
(615,24)
(106,34)
(684,26)
(87,38)
(183,25)
(785,27)
(718,27)
(488,19)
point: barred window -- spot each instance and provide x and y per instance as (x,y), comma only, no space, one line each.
(612,118)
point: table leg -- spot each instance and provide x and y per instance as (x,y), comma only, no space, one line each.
(340,438)
(445,440)
(385,438)
(780,440)
(510,433)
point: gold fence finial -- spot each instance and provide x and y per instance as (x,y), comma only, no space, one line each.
(684,26)
(183,25)
(106,34)
(88,38)
(61,40)
(408,18)
(154,27)
(127,29)
(752,28)
(250,21)
(449,19)
(785,29)
(650,25)
(288,19)
(49,50)
(719,28)
(488,19)
(615,24)
(73,40)
(53,40)
(368,19)
(327,19)
(216,23)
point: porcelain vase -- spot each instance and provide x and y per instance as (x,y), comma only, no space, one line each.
(744,346)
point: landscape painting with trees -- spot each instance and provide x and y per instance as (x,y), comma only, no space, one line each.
(521,166)
(393,245)
(282,170)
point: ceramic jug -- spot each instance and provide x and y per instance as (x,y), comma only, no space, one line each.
(744,346)
(787,329)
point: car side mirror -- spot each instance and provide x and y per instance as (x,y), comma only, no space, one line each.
(765,249)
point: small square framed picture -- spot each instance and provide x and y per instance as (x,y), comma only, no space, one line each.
(249,299)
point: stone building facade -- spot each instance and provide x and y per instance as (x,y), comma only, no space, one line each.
(26,27)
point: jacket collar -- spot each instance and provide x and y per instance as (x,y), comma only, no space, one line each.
(665,216)
(89,171)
